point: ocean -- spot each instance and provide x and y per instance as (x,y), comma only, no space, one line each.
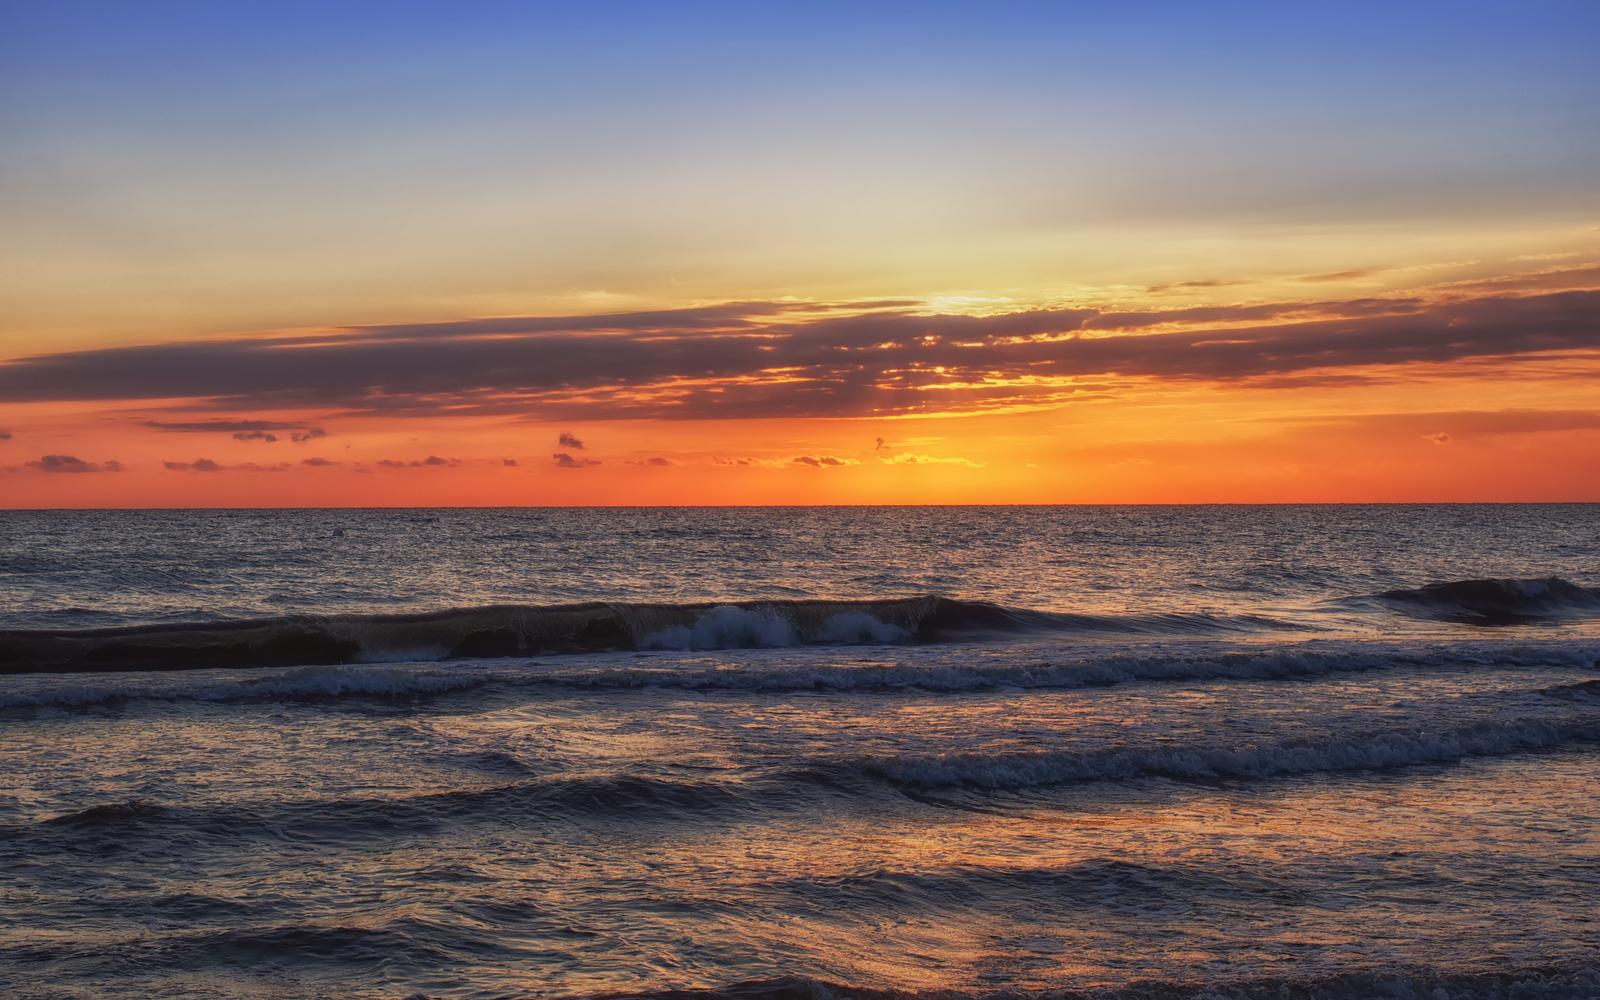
(1202,752)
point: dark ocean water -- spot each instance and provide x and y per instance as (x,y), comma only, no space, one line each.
(1269,752)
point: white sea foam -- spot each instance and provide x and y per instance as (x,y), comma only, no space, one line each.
(726,627)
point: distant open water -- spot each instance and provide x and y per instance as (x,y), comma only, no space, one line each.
(799,754)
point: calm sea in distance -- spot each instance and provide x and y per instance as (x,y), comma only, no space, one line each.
(1274,752)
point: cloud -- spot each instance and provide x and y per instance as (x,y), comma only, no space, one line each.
(823,460)
(759,463)
(432,461)
(207,465)
(317,462)
(1337,276)
(568,441)
(906,458)
(243,430)
(657,462)
(68,463)
(5,435)
(1461,425)
(224,426)
(198,465)
(508,461)
(565,461)
(773,360)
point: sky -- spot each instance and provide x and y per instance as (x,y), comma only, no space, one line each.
(353,253)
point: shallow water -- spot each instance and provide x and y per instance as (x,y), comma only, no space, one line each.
(1265,762)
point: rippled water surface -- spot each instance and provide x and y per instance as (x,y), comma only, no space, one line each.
(1270,752)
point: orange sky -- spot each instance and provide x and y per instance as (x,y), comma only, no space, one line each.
(543,256)
(1469,391)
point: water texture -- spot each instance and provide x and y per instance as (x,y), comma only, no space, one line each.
(1265,752)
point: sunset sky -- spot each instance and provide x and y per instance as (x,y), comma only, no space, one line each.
(476,253)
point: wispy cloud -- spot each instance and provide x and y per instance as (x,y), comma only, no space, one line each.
(777,360)
(243,430)
(207,465)
(906,458)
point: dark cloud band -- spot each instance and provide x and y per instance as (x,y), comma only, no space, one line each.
(780,360)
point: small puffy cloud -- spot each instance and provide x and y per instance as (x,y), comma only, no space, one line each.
(5,435)
(508,461)
(910,459)
(1439,438)
(69,463)
(309,434)
(432,461)
(565,461)
(759,463)
(822,460)
(657,462)
(317,462)
(254,436)
(566,440)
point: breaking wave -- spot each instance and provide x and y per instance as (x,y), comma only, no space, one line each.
(518,630)
(1495,602)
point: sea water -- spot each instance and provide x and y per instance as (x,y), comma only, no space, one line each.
(800,754)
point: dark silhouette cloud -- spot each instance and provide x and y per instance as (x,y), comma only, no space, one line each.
(823,460)
(317,462)
(207,465)
(569,441)
(243,430)
(508,461)
(750,360)
(69,463)
(432,461)
(657,462)
(565,461)
(5,435)
(225,426)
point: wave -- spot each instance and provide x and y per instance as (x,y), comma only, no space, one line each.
(1495,602)
(780,672)
(519,630)
(799,785)
(1379,750)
